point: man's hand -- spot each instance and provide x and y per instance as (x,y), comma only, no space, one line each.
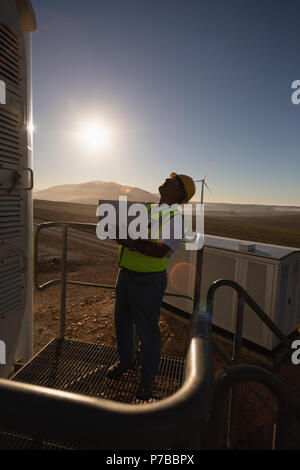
(120,241)
(128,242)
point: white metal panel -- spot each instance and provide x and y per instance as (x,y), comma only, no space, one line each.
(10,54)
(270,303)
(218,265)
(284,309)
(25,341)
(256,286)
(10,136)
(15,205)
(293,308)
(283,295)
(181,278)
(288,303)
(11,216)
(12,284)
(263,250)
(272,281)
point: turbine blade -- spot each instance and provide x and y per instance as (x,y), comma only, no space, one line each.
(209,190)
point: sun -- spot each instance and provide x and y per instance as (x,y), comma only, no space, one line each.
(94,136)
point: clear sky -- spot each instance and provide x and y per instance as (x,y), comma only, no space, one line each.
(192,86)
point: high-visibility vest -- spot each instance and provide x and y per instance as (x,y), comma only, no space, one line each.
(136,261)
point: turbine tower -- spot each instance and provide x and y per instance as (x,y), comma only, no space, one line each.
(202,188)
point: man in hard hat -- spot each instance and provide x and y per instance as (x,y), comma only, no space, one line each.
(140,287)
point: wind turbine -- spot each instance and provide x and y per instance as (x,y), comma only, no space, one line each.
(202,188)
(199,256)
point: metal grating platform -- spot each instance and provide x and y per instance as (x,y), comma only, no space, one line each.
(79,367)
(9,440)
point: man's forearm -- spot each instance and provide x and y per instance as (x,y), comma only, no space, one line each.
(146,247)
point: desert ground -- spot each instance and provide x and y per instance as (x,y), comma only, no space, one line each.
(90,309)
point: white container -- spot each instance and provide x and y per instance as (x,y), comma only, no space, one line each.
(16,227)
(269,273)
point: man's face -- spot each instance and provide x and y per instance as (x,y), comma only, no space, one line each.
(172,190)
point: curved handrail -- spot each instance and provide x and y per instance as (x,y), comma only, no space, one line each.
(249,300)
(288,409)
(243,297)
(104,424)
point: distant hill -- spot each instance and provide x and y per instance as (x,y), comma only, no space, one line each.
(92,191)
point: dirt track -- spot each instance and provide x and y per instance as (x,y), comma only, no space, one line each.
(88,239)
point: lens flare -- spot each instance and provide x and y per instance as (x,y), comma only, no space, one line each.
(181,275)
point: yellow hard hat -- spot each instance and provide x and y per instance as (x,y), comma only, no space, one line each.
(189,186)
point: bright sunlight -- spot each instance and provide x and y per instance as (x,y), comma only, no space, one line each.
(94,136)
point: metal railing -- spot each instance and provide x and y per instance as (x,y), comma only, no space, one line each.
(243,297)
(63,280)
(176,422)
(288,410)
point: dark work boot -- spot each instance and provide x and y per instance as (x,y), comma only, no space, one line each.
(145,389)
(117,370)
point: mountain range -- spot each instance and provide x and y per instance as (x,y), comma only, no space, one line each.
(93,191)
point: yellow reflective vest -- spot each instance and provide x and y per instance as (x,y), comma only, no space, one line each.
(136,261)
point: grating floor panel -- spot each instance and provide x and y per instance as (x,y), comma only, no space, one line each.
(80,367)
(10,440)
